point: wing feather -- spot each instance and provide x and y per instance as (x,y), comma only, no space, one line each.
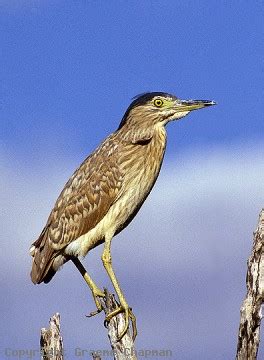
(82,204)
(86,197)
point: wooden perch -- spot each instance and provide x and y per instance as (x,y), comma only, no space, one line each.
(251,315)
(123,349)
(51,343)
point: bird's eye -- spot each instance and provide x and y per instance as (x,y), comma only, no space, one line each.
(158,102)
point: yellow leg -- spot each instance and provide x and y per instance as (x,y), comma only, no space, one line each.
(94,288)
(107,261)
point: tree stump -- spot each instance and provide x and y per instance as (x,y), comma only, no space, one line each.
(251,314)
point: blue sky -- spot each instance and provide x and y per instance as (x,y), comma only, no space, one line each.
(68,71)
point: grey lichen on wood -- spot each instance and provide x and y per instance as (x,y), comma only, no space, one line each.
(51,343)
(251,314)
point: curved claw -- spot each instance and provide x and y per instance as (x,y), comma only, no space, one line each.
(124,331)
(128,315)
(111,315)
(93,313)
(134,324)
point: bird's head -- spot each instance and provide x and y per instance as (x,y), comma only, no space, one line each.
(159,108)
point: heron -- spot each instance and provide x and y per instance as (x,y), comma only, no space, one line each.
(106,192)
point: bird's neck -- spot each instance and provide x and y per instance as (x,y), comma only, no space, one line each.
(144,150)
(160,134)
(140,162)
(145,134)
(156,147)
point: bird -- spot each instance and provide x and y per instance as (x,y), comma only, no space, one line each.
(106,192)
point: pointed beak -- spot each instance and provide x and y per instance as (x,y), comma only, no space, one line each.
(189,105)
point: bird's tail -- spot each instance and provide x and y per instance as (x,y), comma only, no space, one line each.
(43,257)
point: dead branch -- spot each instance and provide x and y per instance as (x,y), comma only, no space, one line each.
(123,349)
(51,344)
(250,312)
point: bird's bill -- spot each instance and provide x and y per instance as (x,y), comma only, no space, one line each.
(189,105)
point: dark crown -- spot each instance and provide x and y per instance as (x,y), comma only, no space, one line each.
(141,99)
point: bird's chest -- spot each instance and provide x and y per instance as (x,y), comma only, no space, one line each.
(141,170)
(140,165)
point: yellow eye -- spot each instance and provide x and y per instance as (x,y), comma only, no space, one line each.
(158,102)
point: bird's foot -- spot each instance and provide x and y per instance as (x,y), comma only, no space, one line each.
(97,293)
(128,315)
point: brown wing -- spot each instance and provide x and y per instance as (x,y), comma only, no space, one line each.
(84,201)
